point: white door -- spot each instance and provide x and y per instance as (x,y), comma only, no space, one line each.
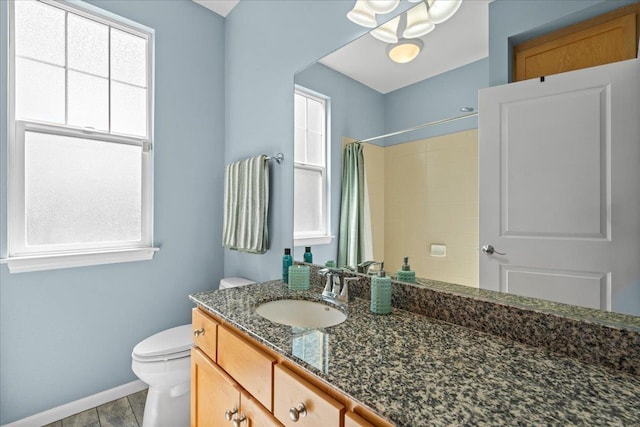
(559,181)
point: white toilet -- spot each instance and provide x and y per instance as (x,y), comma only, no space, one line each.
(163,361)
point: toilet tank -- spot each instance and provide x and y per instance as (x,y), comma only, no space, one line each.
(234,282)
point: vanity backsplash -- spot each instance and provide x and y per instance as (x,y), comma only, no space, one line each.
(611,340)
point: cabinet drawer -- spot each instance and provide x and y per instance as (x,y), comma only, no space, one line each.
(289,390)
(204,332)
(249,366)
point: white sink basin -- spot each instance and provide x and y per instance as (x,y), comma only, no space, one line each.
(303,314)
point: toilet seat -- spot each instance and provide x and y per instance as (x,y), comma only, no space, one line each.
(169,344)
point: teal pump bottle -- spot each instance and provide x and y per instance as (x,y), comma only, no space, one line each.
(381,292)
(405,274)
(287,261)
(308,256)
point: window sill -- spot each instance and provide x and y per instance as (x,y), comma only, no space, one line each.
(311,241)
(24,264)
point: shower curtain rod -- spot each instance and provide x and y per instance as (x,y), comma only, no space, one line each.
(437,122)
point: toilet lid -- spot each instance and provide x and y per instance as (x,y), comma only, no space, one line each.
(168,342)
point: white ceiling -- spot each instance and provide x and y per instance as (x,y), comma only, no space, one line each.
(221,7)
(459,41)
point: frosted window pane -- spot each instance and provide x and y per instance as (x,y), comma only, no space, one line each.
(307,201)
(314,148)
(39,31)
(88,45)
(128,109)
(39,91)
(300,112)
(315,114)
(299,144)
(128,58)
(88,101)
(81,191)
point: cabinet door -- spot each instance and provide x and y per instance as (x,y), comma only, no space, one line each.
(212,392)
(291,391)
(255,415)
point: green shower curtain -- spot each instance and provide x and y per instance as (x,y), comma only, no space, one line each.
(351,238)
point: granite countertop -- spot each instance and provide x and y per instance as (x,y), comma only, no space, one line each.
(415,370)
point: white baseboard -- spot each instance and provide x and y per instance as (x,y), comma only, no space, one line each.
(63,411)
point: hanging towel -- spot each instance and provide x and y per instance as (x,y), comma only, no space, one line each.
(246,204)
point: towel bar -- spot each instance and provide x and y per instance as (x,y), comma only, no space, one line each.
(279,157)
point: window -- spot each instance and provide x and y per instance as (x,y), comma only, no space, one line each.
(80,134)
(311,154)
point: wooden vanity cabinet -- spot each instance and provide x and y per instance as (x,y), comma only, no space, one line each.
(233,371)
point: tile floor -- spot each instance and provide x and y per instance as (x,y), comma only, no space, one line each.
(124,412)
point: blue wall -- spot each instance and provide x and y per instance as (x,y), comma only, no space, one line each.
(437,98)
(261,63)
(357,111)
(66,334)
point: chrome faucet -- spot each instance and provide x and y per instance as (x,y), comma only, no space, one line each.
(336,288)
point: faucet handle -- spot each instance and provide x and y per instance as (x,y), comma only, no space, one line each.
(344,295)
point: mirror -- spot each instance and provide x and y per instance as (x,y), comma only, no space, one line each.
(447,153)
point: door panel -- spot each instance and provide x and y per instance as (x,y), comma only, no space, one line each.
(578,288)
(559,181)
(566,205)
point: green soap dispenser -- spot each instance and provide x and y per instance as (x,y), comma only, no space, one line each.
(381,292)
(405,274)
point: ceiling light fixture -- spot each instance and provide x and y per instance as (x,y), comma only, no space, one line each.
(403,30)
(441,10)
(388,32)
(418,22)
(405,50)
(382,6)
(362,15)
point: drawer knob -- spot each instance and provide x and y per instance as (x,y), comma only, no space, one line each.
(238,421)
(197,333)
(228,414)
(299,411)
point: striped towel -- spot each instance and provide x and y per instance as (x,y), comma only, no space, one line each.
(246,204)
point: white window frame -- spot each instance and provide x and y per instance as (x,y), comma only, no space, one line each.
(322,236)
(21,257)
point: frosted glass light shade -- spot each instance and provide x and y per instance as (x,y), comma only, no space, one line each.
(382,6)
(441,10)
(361,14)
(405,50)
(418,22)
(387,32)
